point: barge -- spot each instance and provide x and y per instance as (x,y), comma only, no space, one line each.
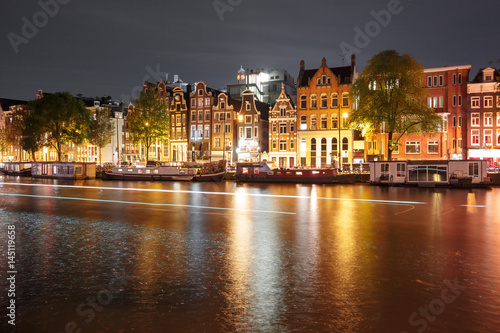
(260,172)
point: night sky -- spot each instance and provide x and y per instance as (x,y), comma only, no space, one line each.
(101,48)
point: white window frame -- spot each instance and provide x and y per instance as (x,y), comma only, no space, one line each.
(488,119)
(475,102)
(475,119)
(413,143)
(475,133)
(488,137)
(282,145)
(488,101)
(434,143)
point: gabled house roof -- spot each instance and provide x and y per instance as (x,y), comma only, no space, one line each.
(479,76)
(343,75)
(6,103)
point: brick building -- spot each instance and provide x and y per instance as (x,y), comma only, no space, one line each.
(483,104)
(446,95)
(224,133)
(323,108)
(283,131)
(253,128)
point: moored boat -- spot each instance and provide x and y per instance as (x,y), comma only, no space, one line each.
(167,173)
(260,172)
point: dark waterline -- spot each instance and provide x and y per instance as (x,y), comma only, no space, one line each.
(226,257)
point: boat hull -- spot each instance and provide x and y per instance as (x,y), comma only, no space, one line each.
(261,173)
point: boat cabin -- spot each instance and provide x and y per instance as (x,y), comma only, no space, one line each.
(64,170)
(431,172)
(16,168)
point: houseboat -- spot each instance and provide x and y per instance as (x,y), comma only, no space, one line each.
(63,170)
(451,173)
(22,169)
(260,172)
(173,173)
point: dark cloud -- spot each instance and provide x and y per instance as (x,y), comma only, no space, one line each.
(108,47)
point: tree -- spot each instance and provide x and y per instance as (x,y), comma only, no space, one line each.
(389,94)
(57,118)
(101,129)
(4,141)
(150,120)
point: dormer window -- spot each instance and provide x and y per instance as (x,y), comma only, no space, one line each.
(200,92)
(247,106)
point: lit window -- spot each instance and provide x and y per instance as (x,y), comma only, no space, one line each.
(314,122)
(473,169)
(335,122)
(475,119)
(488,101)
(335,100)
(345,100)
(488,119)
(323,121)
(488,137)
(475,137)
(303,102)
(248,119)
(283,128)
(413,147)
(324,100)
(314,102)
(303,122)
(475,102)
(433,147)
(282,145)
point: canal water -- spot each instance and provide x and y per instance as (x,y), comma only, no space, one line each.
(110,256)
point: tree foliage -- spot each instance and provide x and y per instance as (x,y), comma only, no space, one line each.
(4,141)
(101,129)
(58,119)
(389,94)
(150,120)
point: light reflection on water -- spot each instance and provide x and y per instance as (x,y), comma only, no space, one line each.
(336,265)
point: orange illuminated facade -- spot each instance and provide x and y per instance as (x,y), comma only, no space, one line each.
(283,131)
(323,108)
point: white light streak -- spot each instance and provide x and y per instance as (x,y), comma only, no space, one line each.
(146,203)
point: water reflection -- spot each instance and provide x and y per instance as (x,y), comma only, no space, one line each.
(337,263)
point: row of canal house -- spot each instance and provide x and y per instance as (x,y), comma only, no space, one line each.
(10,112)
(470,113)
(210,125)
(207,124)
